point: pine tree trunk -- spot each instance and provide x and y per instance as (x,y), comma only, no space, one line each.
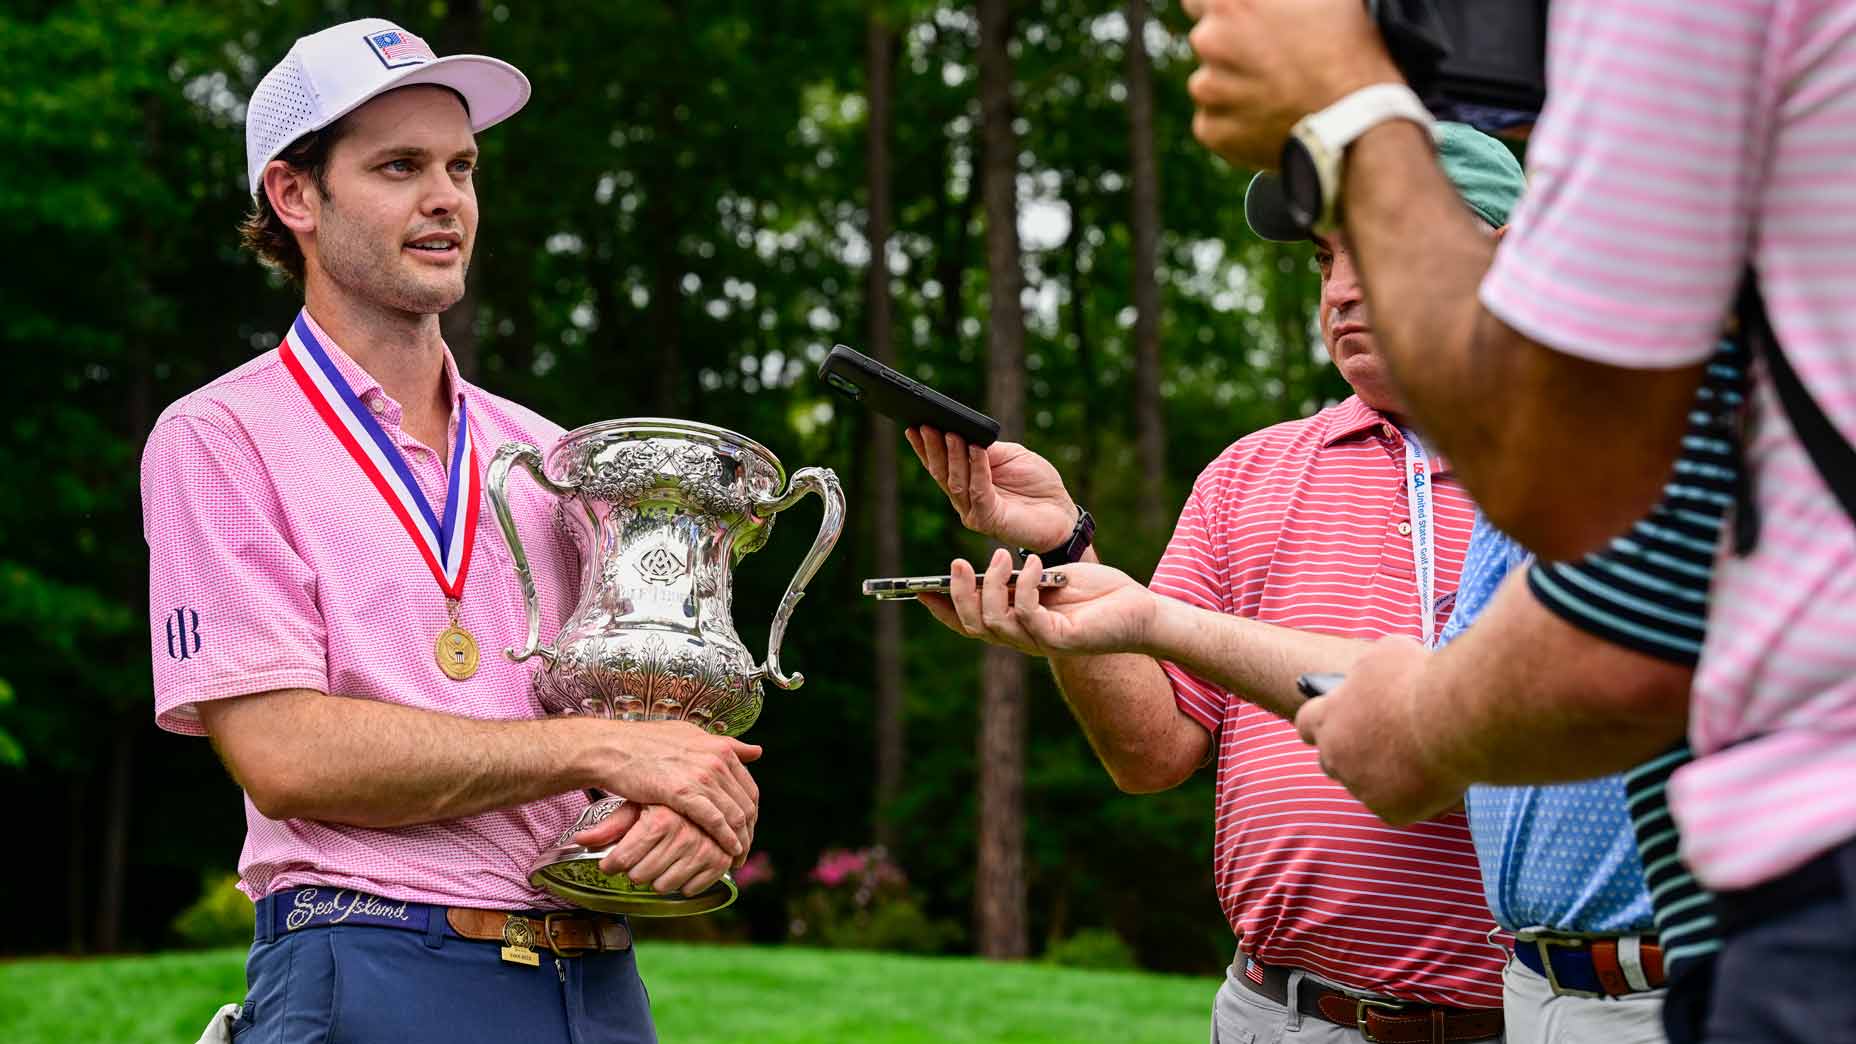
(113,879)
(119,766)
(880,44)
(666,308)
(1144,197)
(664,219)
(999,884)
(77,861)
(1084,479)
(462,33)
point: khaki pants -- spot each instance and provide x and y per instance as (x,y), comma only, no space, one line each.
(1534,1015)
(1240,1016)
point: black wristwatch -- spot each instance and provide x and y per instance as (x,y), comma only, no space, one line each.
(1072,549)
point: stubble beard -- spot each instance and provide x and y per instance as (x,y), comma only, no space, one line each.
(371,267)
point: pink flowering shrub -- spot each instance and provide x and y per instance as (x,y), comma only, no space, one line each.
(867,873)
(860,900)
(757,869)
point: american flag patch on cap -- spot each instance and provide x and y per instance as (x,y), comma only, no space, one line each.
(397,47)
(1253,971)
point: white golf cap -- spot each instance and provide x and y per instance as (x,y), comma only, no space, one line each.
(331,73)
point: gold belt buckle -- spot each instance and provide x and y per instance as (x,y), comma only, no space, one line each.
(1360,1008)
(1543,945)
(547,931)
(519,941)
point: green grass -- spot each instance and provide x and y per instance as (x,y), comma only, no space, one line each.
(701,994)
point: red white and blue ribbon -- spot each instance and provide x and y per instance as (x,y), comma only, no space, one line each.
(445,542)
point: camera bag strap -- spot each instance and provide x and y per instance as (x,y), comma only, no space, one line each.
(1833,456)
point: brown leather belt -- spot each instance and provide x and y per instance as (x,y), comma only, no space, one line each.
(565,934)
(1378,1021)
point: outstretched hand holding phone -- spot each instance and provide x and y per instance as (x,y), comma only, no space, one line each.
(1016,497)
(1003,491)
(1097,610)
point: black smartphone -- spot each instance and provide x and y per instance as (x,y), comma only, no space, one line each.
(891,588)
(1312,685)
(903,399)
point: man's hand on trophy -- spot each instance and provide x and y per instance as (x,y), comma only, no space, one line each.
(1005,491)
(702,777)
(659,849)
(1099,609)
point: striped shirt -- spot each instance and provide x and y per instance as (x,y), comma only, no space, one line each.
(1649,591)
(1681,142)
(291,572)
(1306,525)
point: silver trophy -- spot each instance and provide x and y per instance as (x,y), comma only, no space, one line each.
(660,511)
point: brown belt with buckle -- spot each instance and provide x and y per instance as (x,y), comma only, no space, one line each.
(565,934)
(1378,1021)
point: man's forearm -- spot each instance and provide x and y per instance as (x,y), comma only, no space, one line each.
(1126,708)
(1126,704)
(1523,697)
(1533,433)
(1258,661)
(306,755)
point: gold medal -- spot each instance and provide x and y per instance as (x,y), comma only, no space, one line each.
(457,653)
(519,940)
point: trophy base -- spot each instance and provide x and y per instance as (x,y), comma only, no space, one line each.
(572,872)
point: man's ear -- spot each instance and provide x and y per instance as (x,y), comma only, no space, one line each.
(1500,232)
(292,194)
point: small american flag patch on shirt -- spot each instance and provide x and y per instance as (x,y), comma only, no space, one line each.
(1253,971)
(397,47)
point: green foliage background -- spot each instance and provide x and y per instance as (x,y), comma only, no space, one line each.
(673,225)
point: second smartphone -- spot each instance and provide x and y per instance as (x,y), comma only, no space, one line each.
(903,399)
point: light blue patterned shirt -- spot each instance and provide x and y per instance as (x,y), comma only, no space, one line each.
(1562,857)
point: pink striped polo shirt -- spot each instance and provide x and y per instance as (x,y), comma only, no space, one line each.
(1682,140)
(288,570)
(1305,525)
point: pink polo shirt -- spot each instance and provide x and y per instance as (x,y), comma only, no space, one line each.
(1306,525)
(275,564)
(1681,142)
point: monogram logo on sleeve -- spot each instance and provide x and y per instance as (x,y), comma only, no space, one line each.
(183,634)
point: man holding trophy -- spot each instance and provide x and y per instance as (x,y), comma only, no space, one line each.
(329,604)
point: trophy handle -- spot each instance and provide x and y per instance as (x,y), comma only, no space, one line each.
(529,457)
(824,482)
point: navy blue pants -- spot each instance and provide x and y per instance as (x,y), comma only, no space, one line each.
(363,984)
(1787,969)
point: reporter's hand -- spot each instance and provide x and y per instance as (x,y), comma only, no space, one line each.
(658,849)
(700,776)
(1004,491)
(1099,610)
(1367,730)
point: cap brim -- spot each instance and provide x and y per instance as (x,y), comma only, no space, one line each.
(1266,210)
(493,90)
